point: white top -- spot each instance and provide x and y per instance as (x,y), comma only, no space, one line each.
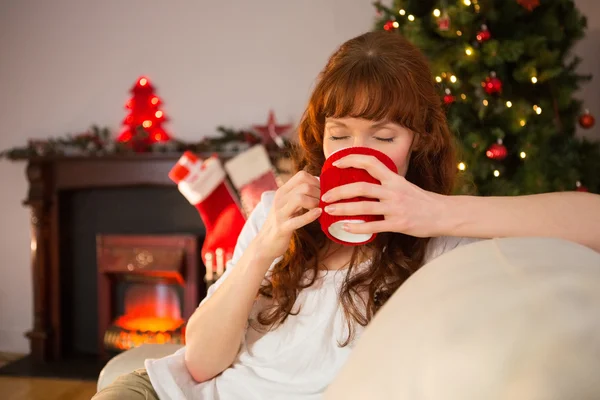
(297,360)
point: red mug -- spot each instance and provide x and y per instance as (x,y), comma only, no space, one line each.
(332,177)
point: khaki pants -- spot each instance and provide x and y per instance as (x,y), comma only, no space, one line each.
(133,386)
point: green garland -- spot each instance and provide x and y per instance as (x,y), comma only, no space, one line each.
(100,142)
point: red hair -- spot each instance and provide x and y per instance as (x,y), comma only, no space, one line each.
(378,76)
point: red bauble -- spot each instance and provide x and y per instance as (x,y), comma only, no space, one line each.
(444,22)
(492,85)
(587,120)
(497,151)
(580,187)
(484,34)
(529,5)
(389,26)
(448,98)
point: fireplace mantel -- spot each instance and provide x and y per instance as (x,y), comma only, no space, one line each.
(48,176)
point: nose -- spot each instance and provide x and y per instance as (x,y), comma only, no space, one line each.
(359,141)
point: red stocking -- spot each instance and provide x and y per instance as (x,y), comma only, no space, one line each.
(252,174)
(203,184)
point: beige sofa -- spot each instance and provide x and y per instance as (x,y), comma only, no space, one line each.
(515,318)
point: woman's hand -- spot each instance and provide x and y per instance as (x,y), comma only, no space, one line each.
(296,204)
(406,208)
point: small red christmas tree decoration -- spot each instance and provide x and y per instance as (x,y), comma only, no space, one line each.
(143,124)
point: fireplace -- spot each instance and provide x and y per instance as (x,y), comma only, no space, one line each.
(147,288)
(79,203)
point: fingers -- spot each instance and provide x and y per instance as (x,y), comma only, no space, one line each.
(303,219)
(298,179)
(371,164)
(369,227)
(357,208)
(357,189)
(295,202)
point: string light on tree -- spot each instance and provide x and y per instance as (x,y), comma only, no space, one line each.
(411,17)
(401,11)
(469,51)
(537,109)
(458,33)
(496,173)
(534,80)
(453,79)
(509,104)
(586,120)
(395,24)
(522,122)
(462,166)
(438,79)
(497,151)
(522,154)
(437,13)
(485,102)
(467,2)
(463,96)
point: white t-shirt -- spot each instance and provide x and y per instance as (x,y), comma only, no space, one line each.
(297,360)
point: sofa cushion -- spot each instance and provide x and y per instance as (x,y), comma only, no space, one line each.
(513,318)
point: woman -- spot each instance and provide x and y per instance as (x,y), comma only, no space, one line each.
(314,296)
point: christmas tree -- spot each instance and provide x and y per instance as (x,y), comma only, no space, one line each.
(507,76)
(143,124)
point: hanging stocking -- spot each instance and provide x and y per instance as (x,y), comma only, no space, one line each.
(252,174)
(203,184)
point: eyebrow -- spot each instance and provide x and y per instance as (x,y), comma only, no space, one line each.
(374,126)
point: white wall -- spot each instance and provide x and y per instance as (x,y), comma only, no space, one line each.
(67,64)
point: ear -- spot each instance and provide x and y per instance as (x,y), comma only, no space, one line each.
(416,142)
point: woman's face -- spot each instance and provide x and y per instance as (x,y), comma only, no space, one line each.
(391,139)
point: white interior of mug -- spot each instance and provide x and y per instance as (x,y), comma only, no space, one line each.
(339,233)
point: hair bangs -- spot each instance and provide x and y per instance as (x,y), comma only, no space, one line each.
(372,92)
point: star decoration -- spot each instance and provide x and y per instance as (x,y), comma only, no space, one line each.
(529,5)
(271,132)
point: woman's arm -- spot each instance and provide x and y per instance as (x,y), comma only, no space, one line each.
(215,330)
(408,209)
(573,216)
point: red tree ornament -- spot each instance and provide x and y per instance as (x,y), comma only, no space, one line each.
(448,97)
(580,188)
(444,22)
(388,26)
(497,151)
(484,34)
(492,84)
(586,120)
(529,5)
(271,132)
(143,124)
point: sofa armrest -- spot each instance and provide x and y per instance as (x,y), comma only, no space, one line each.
(133,359)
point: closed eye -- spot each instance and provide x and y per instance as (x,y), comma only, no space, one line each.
(338,137)
(388,140)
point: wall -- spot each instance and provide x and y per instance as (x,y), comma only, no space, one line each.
(66,65)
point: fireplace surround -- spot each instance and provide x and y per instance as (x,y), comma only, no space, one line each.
(72,200)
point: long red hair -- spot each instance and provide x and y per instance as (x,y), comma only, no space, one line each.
(378,76)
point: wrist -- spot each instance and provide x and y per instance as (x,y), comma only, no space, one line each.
(261,254)
(455,211)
